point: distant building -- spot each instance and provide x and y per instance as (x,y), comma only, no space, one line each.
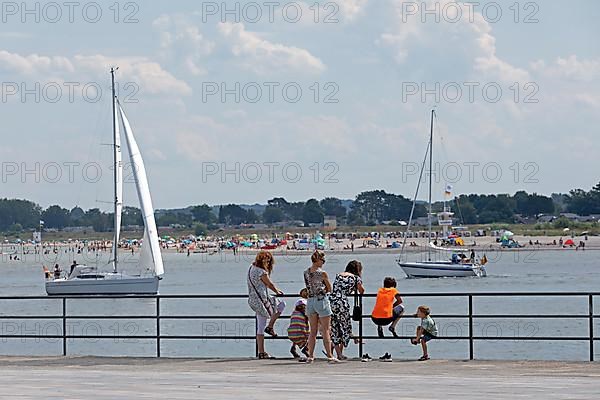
(330,222)
(546,218)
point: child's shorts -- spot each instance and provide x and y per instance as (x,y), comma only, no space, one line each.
(426,337)
(319,306)
(396,313)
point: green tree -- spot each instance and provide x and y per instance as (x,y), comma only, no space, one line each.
(312,212)
(132,216)
(23,212)
(584,203)
(55,217)
(272,214)
(333,206)
(200,229)
(233,214)
(101,222)
(203,213)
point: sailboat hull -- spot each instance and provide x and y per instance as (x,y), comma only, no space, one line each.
(116,286)
(440,270)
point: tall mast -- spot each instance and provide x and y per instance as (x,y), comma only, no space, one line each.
(430,185)
(116,166)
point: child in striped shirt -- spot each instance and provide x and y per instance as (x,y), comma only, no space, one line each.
(298,330)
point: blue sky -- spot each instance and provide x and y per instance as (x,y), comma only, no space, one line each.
(540,134)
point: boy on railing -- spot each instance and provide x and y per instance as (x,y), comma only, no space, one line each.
(426,331)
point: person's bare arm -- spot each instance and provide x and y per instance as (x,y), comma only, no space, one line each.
(398,300)
(360,287)
(326,282)
(269,283)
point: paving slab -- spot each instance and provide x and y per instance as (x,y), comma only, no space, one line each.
(150,378)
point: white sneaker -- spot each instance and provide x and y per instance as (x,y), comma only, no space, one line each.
(333,360)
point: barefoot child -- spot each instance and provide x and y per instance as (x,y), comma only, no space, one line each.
(426,331)
(388,307)
(298,330)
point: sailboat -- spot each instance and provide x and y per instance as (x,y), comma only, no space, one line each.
(451,267)
(87,280)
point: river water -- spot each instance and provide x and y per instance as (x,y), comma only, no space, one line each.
(222,273)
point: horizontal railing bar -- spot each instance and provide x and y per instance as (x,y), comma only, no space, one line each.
(234,317)
(221,337)
(244,296)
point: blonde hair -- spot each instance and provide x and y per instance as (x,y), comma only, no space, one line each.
(304,293)
(317,255)
(424,309)
(264,260)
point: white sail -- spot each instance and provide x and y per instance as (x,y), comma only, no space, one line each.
(118,186)
(151,245)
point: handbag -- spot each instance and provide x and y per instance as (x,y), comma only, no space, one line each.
(357,310)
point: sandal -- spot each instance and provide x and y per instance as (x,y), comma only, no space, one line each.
(424,358)
(265,356)
(294,352)
(270,331)
(305,351)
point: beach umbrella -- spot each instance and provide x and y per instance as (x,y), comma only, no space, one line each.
(569,242)
(566,230)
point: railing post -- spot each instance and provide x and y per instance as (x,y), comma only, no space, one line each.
(591,324)
(255,336)
(360,332)
(64,325)
(157,326)
(471,327)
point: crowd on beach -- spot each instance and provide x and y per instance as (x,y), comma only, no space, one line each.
(323,306)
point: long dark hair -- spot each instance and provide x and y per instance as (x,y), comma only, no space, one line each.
(354,267)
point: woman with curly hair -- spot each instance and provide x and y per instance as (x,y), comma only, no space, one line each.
(266,306)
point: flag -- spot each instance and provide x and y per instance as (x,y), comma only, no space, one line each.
(448,190)
(41,222)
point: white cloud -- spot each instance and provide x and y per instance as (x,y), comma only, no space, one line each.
(148,74)
(264,57)
(33,63)
(569,68)
(352,8)
(469,39)
(180,39)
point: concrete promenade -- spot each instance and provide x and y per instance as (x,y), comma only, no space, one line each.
(136,378)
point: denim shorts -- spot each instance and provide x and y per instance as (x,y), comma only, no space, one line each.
(318,305)
(426,337)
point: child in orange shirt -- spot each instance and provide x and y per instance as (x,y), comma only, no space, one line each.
(388,307)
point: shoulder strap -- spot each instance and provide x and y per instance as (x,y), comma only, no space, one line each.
(266,302)
(357,299)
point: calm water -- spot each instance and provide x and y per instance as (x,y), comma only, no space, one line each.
(222,273)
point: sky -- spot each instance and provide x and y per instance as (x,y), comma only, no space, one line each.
(239,102)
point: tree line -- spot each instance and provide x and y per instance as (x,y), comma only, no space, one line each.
(368,208)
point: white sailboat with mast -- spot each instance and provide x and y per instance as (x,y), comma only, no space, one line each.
(86,280)
(431,268)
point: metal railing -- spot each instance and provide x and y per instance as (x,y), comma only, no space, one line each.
(63,317)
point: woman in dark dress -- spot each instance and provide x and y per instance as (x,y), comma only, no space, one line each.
(344,285)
